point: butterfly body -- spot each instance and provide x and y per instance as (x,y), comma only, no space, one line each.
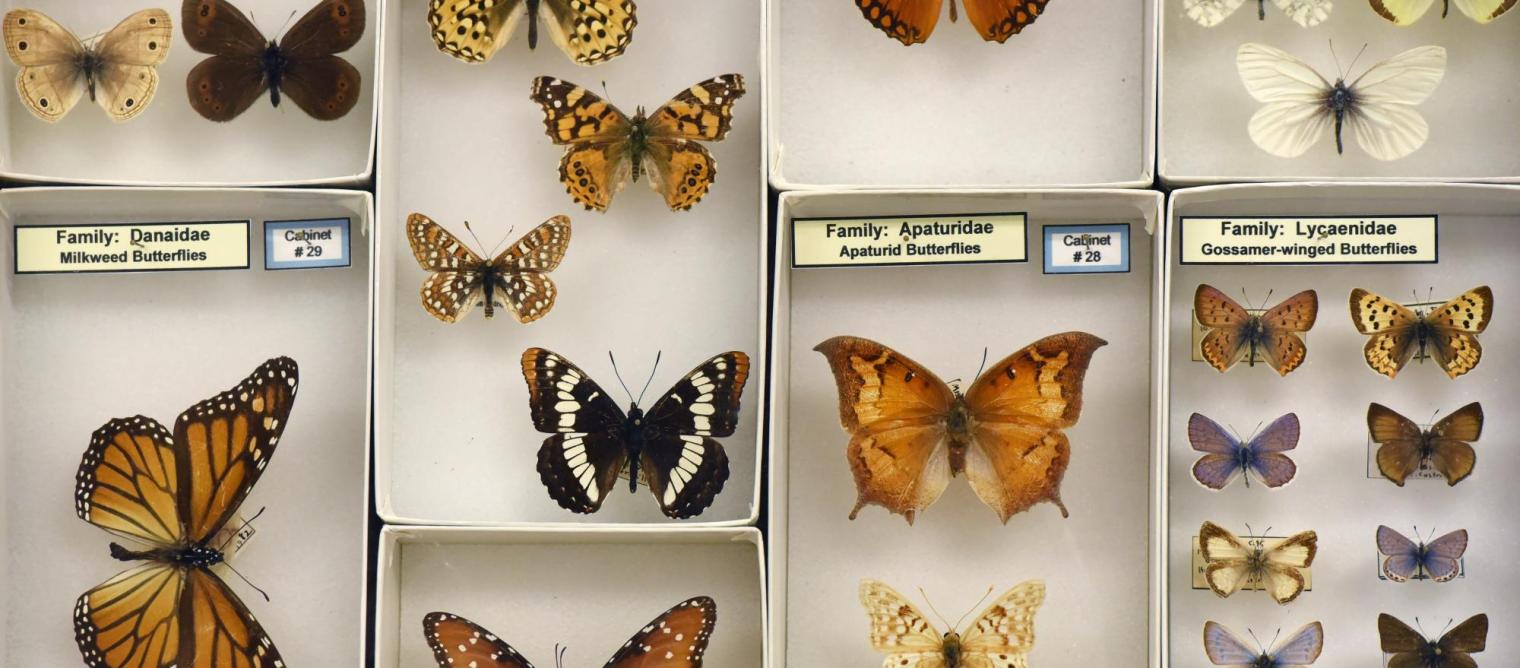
(180,556)
(951,648)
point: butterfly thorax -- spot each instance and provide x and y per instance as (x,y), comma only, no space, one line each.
(959,424)
(90,65)
(633,435)
(638,143)
(1254,331)
(1340,100)
(488,277)
(1264,661)
(274,63)
(191,556)
(951,648)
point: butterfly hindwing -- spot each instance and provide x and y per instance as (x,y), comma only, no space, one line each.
(997,20)
(676,639)
(225,631)
(132,619)
(588,31)
(907,21)
(591,31)
(1003,634)
(457,641)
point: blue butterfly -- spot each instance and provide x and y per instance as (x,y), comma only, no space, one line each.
(1225,649)
(1226,457)
(1439,560)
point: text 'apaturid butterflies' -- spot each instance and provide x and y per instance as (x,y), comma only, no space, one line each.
(1449,333)
(1226,457)
(1234,563)
(1210,13)
(303,65)
(605,149)
(672,448)
(1404,446)
(1406,12)
(1300,649)
(1001,636)
(173,492)
(1237,334)
(517,278)
(118,70)
(1377,107)
(1439,560)
(912,21)
(588,31)
(910,432)
(1411,649)
(676,639)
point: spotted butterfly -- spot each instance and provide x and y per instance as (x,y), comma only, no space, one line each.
(460,279)
(676,639)
(671,448)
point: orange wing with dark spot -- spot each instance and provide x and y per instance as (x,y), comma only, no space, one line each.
(997,20)
(907,21)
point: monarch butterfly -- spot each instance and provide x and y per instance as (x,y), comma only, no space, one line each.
(174,492)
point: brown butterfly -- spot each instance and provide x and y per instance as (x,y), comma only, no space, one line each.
(912,21)
(244,64)
(1410,649)
(1234,563)
(1448,333)
(676,639)
(606,149)
(910,432)
(119,71)
(1237,334)
(460,279)
(1404,446)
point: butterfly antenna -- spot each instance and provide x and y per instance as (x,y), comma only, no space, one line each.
(1257,640)
(973,609)
(245,581)
(651,374)
(499,244)
(619,375)
(476,237)
(933,609)
(288,19)
(244,525)
(559,655)
(983,365)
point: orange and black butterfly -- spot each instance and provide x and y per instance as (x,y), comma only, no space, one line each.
(912,21)
(1237,334)
(1448,333)
(676,639)
(173,492)
(517,278)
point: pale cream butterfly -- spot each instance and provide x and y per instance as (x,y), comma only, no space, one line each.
(57,67)
(1000,637)
(1405,12)
(1378,106)
(1307,13)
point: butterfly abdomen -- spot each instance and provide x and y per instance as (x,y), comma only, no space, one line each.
(1342,101)
(958,428)
(633,435)
(195,556)
(274,63)
(638,143)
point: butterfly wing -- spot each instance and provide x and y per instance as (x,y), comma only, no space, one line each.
(472,31)
(1306,13)
(907,21)
(596,163)
(1225,344)
(1451,455)
(1402,12)
(1018,453)
(523,269)
(676,639)
(1228,559)
(1395,637)
(332,26)
(679,168)
(1456,325)
(997,20)
(457,641)
(323,85)
(225,85)
(454,287)
(1403,555)
(129,54)
(1399,439)
(50,80)
(1295,117)
(1443,556)
(1383,118)
(1225,648)
(685,468)
(1221,463)
(1003,635)
(224,631)
(894,410)
(1302,648)
(1210,13)
(1281,325)
(1469,637)
(580,463)
(591,31)
(1391,327)
(1266,459)
(128,482)
(1484,11)
(899,629)
(1283,561)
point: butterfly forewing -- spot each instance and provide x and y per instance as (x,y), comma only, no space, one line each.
(332,26)
(703,112)
(1220,464)
(1004,632)
(1402,562)
(580,463)
(898,628)
(1302,648)
(129,482)
(705,401)
(1225,648)
(676,639)
(522,269)
(1225,344)
(458,642)
(1400,443)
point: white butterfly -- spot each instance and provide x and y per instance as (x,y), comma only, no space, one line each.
(1307,13)
(1405,12)
(1378,106)
(1000,637)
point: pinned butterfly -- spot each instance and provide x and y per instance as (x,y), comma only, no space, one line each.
(1411,649)
(174,492)
(1300,649)
(119,70)
(1404,448)
(1448,333)
(1439,560)
(1276,566)
(588,31)
(517,278)
(672,449)
(1002,635)
(1406,12)
(678,638)
(1274,336)
(605,149)
(1306,13)
(912,21)
(1227,458)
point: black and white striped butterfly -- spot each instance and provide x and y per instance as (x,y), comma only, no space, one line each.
(671,448)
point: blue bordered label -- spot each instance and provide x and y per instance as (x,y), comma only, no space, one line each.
(1087,249)
(307,244)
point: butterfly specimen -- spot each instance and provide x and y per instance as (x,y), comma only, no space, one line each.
(676,639)
(173,492)
(910,432)
(1209,13)
(1234,563)
(1238,335)
(460,279)
(244,64)
(605,148)
(1406,12)
(1411,649)
(1439,560)
(588,31)
(1000,637)
(1378,107)
(1226,649)
(57,68)
(1448,333)
(912,21)
(1226,457)
(1404,446)
(671,448)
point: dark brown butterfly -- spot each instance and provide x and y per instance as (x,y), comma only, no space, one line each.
(244,64)
(1410,649)
(676,639)
(1404,446)
(1240,335)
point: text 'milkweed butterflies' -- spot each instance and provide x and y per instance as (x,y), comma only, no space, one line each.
(605,149)
(1378,107)
(1000,637)
(1237,334)
(911,432)
(1234,563)
(1439,560)
(1404,446)
(672,448)
(912,21)
(1306,13)
(1411,649)
(174,491)
(1300,649)
(460,279)
(676,639)
(1406,12)
(57,68)
(1448,333)
(1227,457)
(303,65)
(588,31)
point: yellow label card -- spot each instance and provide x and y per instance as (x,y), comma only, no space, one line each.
(51,249)
(910,240)
(1309,240)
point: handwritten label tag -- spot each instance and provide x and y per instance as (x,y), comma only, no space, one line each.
(1309,240)
(306,244)
(1252,583)
(236,534)
(68,249)
(910,240)
(1086,249)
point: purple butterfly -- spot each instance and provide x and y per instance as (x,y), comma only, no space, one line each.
(1225,649)
(1226,457)
(1439,560)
